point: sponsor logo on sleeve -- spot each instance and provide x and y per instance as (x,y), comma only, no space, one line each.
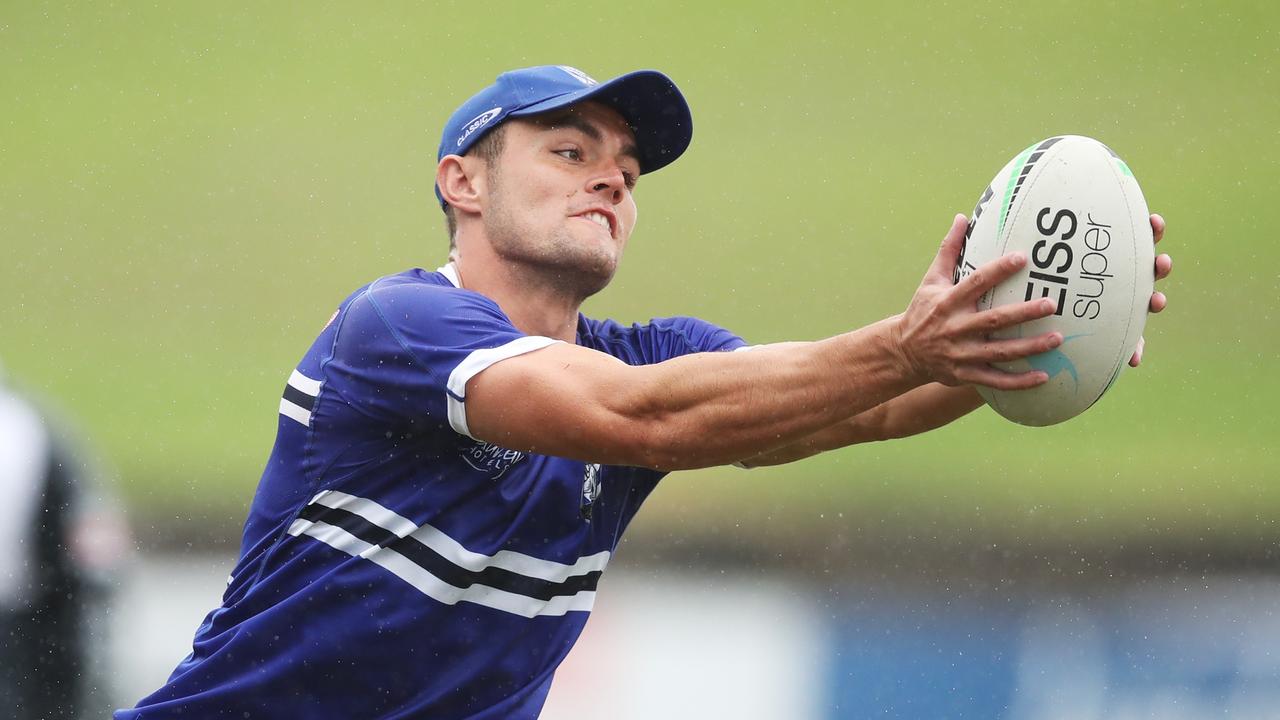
(490,459)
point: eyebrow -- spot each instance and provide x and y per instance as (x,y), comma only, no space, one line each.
(588,128)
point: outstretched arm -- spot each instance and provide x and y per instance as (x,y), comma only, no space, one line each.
(927,407)
(716,408)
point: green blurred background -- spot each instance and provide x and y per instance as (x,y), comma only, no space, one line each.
(187,190)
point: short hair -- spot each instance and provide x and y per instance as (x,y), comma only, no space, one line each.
(488,148)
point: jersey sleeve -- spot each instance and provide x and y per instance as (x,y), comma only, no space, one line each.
(661,339)
(699,335)
(403,353)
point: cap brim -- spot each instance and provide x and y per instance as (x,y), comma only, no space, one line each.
(650,103)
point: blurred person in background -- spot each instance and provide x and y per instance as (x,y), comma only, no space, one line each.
(65,540)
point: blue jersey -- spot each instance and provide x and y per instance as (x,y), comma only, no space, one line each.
(394,566)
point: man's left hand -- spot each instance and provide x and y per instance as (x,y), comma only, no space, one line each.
(1164,264)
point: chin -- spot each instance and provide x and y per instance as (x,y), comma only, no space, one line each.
(582,268)
(591,276)
(577,266)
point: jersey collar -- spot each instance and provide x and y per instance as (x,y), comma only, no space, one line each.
(450,271)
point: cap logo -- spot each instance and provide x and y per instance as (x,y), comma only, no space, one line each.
(478,122)
(578,75)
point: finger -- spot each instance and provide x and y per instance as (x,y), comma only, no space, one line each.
(1001,380)
(989,321)
(1158,302)
(1137,353)
(1013,349)
(1157,226)
(1164,266)
(987,277)
(944,263)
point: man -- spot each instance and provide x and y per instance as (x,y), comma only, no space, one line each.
(460,450)
(66,542)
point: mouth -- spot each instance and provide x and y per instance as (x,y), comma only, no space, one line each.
(604,219)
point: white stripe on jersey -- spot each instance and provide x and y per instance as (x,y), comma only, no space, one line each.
(452,550)
(306,386)
(432,586)
(435,588)
(295,412)
(477,362)
(304,383)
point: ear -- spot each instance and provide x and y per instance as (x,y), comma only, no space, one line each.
(461,182)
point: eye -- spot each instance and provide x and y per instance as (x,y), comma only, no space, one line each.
(570,154)
(630,179)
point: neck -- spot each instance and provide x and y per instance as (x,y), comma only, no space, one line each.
(535,307)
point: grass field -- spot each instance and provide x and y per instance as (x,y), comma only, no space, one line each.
(188,190)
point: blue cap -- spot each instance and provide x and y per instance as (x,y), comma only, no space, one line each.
(649,102)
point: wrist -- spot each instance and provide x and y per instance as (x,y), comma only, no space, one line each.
(897,346)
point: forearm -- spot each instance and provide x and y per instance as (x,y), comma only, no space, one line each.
(925,408)
(781,395)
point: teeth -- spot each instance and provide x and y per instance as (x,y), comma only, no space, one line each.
(598,219)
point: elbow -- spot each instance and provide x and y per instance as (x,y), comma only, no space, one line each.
(633,429)
(647,431)
(653,445)
(656,442)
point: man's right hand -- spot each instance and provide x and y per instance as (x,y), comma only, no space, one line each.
(943,337)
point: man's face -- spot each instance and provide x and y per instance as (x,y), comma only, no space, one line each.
(559,196)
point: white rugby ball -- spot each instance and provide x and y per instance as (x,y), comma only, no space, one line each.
(1073,207)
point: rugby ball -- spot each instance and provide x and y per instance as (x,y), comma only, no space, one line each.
(1073,207)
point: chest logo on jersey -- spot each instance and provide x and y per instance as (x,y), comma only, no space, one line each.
(491,459)
(590,489)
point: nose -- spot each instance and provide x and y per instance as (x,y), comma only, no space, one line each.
(612,184)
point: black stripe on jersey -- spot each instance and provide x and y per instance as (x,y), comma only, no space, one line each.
(493,577)
(349,521)
(299,398)
(431,561)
